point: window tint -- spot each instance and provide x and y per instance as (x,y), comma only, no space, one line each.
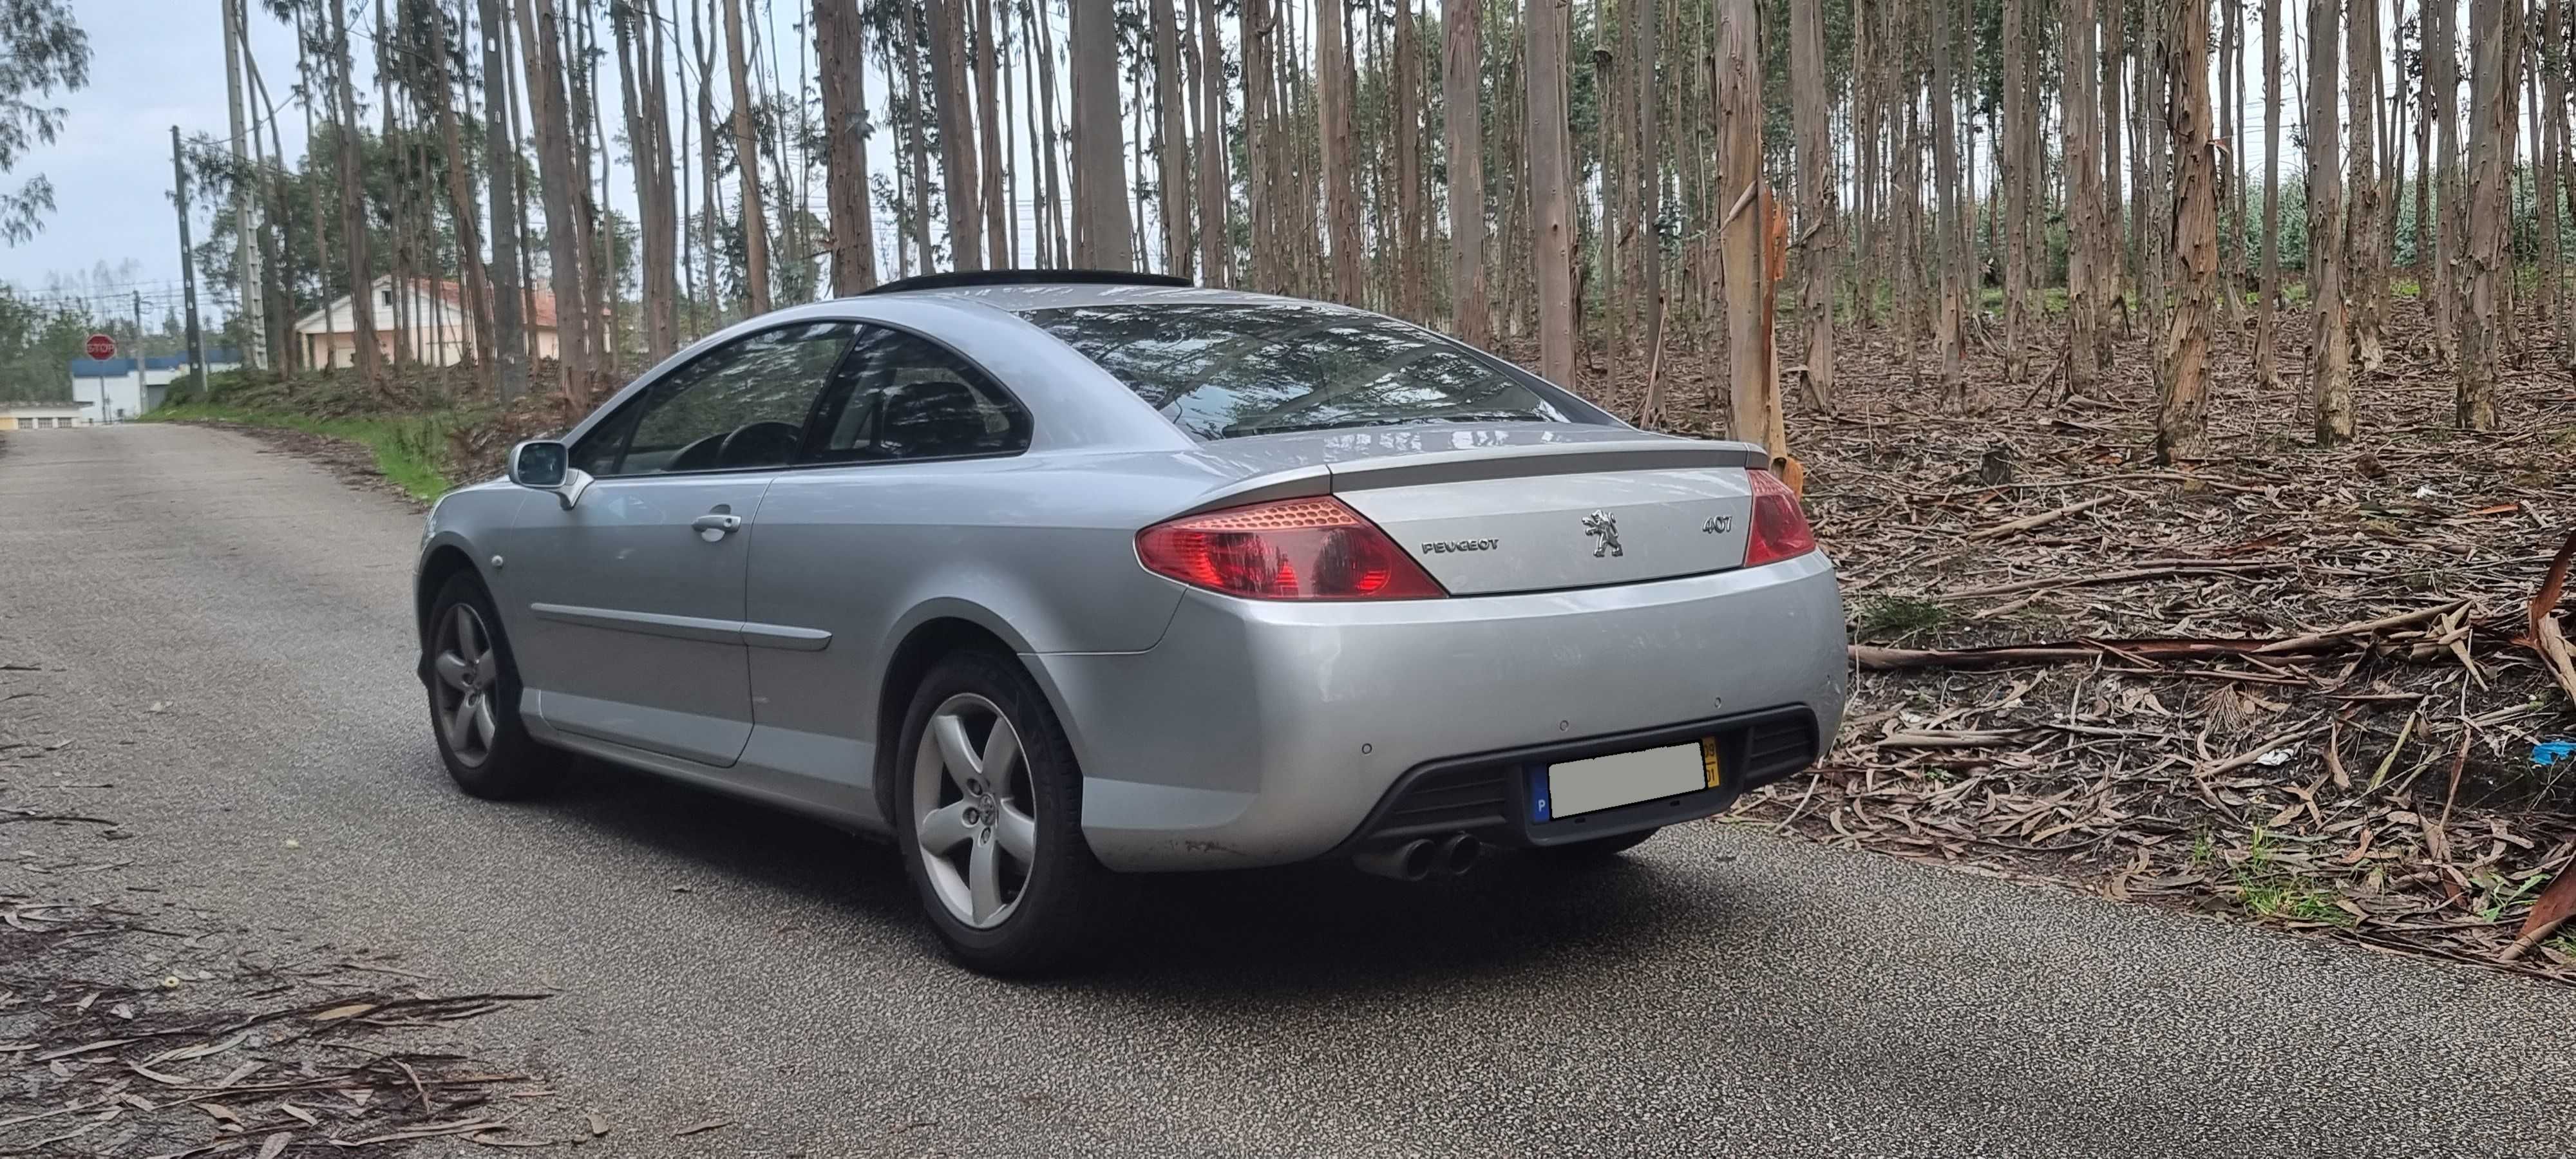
(1221,371)
(743,404)
(905,397)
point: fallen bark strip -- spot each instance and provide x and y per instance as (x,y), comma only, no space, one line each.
(2361,628)
(2546,638)
(2160,571)
(2042,519)
(1874,658)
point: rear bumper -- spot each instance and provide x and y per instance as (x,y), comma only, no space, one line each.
(1265,733)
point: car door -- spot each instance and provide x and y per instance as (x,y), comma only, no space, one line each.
(635,595)
(846,547)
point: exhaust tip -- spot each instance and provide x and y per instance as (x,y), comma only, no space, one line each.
(1411,861)
(1460,852)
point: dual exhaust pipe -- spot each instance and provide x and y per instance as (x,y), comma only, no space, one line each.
(1422,857)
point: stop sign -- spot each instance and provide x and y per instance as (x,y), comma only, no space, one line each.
(100,347)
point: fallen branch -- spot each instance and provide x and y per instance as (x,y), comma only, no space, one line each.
(2042,519)
(2166,571)
(2361,628)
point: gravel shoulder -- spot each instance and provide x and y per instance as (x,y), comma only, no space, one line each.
(1724,990)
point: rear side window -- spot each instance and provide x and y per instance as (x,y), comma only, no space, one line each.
(902,396)
(1225,371)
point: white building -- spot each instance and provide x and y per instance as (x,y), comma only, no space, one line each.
(37,416)
(437,328)
(117,389)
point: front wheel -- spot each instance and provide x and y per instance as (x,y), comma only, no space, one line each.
(990,802)
(474,698)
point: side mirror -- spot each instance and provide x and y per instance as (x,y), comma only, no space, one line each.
(546,465)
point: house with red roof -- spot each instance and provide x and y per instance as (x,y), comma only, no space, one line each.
(429,317)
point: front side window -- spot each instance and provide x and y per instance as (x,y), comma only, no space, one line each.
(742,405)
(903,396)
(1225,371)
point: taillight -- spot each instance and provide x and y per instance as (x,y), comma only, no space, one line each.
(1291,549)
(1780,529)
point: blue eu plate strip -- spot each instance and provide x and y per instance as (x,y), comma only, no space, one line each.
(1538,794)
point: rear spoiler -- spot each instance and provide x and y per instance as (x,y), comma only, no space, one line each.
(1508,462)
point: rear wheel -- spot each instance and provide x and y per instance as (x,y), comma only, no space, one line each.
(990,802)
(1595,851)
(474,698)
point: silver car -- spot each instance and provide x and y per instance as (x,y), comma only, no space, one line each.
(1054,575)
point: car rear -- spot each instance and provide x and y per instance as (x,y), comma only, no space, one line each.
(1499,614)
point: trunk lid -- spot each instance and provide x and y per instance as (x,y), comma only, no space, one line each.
(1521,514)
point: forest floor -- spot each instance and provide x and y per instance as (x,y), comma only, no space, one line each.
(2287,683)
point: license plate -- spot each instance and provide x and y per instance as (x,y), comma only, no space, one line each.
(1586,786)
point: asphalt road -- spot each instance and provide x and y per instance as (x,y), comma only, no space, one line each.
(1725,991)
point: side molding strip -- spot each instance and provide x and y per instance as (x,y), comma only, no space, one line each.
(688,627)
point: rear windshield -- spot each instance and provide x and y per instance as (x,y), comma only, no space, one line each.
(1224,371)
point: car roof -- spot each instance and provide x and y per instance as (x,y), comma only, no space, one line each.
(1020,298)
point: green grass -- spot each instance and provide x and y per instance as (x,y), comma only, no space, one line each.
(409,449)
(1897,616)
(2292,897)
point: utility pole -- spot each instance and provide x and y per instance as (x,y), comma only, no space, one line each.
(246,253)
(140,391)
(187,275)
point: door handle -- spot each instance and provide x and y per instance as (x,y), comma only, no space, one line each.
(714,527)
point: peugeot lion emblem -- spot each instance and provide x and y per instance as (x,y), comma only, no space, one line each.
(1603,526)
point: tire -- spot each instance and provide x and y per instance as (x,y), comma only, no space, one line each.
(1023,829)
(1594,852)
(473,687)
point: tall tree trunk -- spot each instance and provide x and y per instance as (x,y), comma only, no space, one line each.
(997,237)
(838,41)
(2552,175)
(2496,25)
(1551,175)
(1171,141)
(1462,127)
(2083,191)
(746,156)
(1950,327)
(2017,180)
(1334,89)
(353,207)
(2182,423)
(2231,186)
(1105,240)
(651,167)
(2362,219)
(540,41)
(1051,141)
(1646,246)
(713,201)
(1820,227)
(2110,266)
(2441,97)
(2150,202)
(2330,353)
(1753,385)
(1407,144)
(1216,234)
(950,94)
(460,198)
(2267,327)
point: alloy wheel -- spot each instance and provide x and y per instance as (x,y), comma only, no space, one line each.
(468,672)
(975,811)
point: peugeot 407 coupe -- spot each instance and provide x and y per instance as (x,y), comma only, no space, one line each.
(1054,575)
